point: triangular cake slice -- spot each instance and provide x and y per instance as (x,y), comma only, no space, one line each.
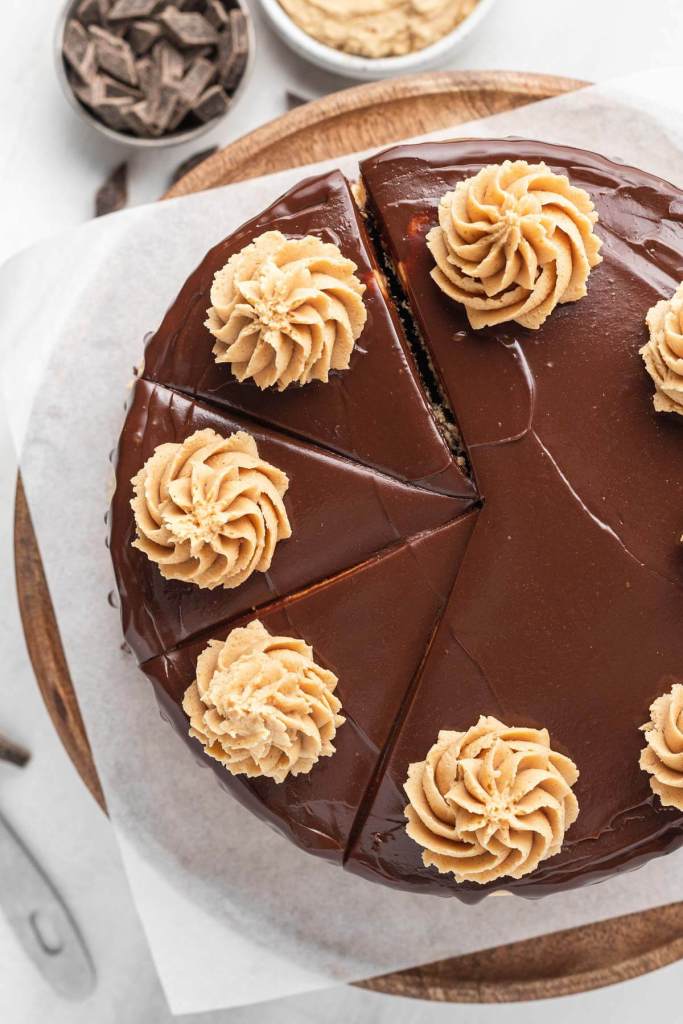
(371,626)
(340,514)
(578,382)
(551,624)
(375,412)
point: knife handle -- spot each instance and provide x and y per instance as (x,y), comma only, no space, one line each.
(41,920)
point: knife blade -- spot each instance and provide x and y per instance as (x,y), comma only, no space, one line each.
(41,920)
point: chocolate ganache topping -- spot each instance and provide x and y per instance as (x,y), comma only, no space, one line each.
(512,578)
(286,311)
(513,242)
(261,705)
(490,802)
(209,511)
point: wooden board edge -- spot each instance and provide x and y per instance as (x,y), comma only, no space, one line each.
(233,162)
(487,975)
(45,648)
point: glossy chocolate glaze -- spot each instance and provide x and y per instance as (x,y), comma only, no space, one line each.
(371,626)
(341,513)
(567,611)
(578,383)
(375,412)
(567,585)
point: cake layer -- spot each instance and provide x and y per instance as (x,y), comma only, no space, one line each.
(551,624)
(340,513)
(375,412)
(578,383)
(372,627)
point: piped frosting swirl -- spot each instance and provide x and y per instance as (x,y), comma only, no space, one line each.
(663,353)
(512,242)
(210,511)
(261,706)
(662,758)
(286,311)
(490,802)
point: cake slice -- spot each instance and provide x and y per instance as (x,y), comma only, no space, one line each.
(577,382)
(551,625)
(340,514)
(375,412)
(372,627)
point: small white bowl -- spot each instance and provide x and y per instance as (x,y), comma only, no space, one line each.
(162,141)
(368,68)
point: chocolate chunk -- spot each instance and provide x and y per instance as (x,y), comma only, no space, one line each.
(164,110)
(187,28)
(211,104)
(91,12)
(124,9)
(189,165)
(87,69)
(139,119)
(170,61)
(142,35)
(233,50)
(216,14)
(113,89)
(147,69)
(199,75)
(75,44)
(113,194)
(114,112)
(114,55)
(88,93)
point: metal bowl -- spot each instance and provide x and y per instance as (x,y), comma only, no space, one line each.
(175,139)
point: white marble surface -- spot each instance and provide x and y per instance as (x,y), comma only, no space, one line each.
(50,166)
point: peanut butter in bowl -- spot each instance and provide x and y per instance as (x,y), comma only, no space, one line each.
(369,39)
(378,28)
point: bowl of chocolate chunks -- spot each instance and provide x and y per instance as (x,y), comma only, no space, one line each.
(152,73)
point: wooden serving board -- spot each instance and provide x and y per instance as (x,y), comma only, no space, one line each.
(360,118)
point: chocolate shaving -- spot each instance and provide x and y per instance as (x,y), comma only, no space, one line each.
(113,194)
(189,165)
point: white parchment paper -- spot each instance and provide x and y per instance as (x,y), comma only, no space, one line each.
(235,914)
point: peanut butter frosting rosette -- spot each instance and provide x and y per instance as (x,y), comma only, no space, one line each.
(286,311)
(513,242)
(210,511)
(261,706)
(663,755)
(491,802)
(663,353)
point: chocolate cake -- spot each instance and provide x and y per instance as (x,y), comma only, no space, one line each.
(484,522)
